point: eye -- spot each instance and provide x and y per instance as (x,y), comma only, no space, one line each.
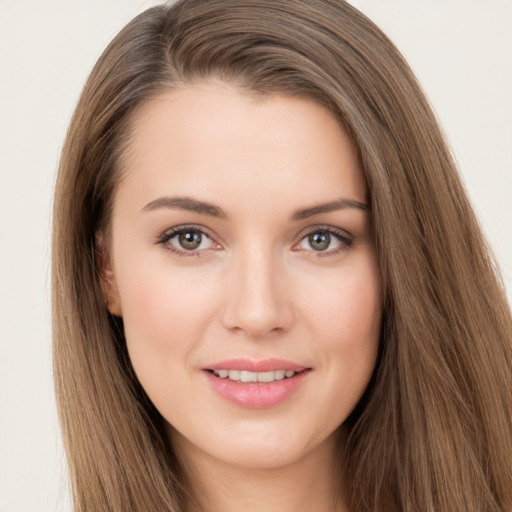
(325,240)
(319,241)
(187,241)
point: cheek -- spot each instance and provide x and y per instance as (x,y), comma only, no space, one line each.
(346,315)
(164,312)
(164,321)
(348,307)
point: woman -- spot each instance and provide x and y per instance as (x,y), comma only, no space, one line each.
(270,290)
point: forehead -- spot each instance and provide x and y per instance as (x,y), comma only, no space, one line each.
(212,138)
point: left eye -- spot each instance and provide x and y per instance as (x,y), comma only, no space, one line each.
(324,241)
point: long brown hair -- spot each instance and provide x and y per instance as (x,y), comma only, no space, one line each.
(434,429)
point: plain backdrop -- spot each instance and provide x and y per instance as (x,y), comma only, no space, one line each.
(461,50)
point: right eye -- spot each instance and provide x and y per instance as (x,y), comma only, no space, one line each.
(187,241)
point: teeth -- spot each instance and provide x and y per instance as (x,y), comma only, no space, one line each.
(266,376)
(234,375)
(246,376)
(280,374)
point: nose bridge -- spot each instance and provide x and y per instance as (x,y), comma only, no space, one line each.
(257,301)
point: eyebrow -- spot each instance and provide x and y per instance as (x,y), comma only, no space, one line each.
(187,204)
(205,208)
(339,204)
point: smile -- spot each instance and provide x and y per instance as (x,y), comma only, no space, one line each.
(248,376)
(256,384)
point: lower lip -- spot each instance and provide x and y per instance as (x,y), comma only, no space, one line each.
(254,395)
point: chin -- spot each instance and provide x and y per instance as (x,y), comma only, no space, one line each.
(257,447)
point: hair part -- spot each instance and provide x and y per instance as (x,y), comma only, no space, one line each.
(434,429)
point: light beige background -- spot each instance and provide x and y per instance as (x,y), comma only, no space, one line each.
(461,51)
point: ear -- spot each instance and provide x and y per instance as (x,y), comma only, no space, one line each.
(108,281)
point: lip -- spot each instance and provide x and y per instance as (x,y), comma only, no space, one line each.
(256,395)
(262,365)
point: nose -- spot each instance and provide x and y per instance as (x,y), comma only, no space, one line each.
(258,297)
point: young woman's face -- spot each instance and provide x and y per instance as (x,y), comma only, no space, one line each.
(241,251)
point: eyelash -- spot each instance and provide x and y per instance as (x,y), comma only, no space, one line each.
(165,237)
(346,240)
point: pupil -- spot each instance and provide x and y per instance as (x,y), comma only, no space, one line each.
(320,241)
(190,240)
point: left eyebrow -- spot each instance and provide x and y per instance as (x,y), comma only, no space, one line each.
(332,206)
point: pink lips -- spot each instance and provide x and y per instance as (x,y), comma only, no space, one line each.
(264,365)
(256,395)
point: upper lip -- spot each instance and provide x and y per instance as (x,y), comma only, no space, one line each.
(261,365)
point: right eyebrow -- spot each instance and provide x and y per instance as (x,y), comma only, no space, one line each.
(187,204)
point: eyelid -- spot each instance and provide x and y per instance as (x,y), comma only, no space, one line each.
(345,238)
(170,233)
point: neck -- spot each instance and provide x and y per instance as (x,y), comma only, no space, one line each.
(312,483)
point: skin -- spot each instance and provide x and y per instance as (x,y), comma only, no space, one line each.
(257,286)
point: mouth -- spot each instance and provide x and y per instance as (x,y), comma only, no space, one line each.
(256,384)
(246,376)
